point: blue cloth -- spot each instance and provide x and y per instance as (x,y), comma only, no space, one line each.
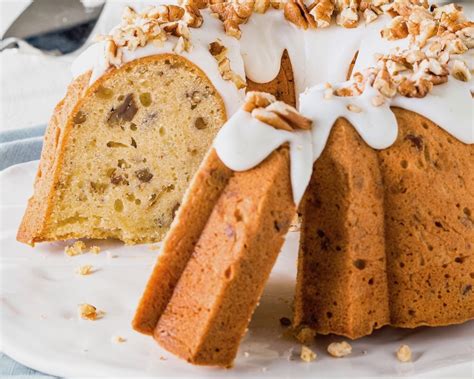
(18,146)
(21,145)
(11,369)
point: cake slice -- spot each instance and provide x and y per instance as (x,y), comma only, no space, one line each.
(119,154)
(217,258)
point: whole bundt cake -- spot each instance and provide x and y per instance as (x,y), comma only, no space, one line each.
(377,94)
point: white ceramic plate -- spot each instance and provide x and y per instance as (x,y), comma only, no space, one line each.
(40,328)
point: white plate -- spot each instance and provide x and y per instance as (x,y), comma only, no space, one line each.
(40,328)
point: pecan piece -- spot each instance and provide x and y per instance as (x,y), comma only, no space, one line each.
(124,112)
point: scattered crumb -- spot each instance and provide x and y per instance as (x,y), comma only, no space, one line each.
(95,249)
(89,312)
(118,339)
(246,354)
(305,335)
(339,349)
(404,353)
(307,354)
(364,352)
(79,247)
(162,358)
(85,270)
(76,248)
(154,247)
(285,321)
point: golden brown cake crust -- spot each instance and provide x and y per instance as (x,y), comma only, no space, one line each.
(36,224)
(341,282)
(38,209)
(411,231)
(203,291)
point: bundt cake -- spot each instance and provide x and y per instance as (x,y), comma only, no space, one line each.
(387,229)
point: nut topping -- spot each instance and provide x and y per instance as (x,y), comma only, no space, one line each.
(437,41)
(266,108)
(155,24)
(219,52)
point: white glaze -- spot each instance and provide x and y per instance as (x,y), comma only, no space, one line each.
(244,142)
(317,55)
(376,125)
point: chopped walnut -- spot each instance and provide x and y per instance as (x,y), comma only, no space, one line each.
(437,41)
(384,84)
(85,270)
(397,29)
(89,312)
(339,349)
(348,17)
(277,4)
(76,248)
(370,16)
(257,100)
(307,355)
(192,15)
(297,13)
(154,24)
(460,71)
(404,353)
(261,6)
(322,13)
(233,13)
(266,108)
(411,88)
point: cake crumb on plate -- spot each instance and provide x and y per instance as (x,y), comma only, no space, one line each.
(84,270)
(76,248)
(89,312)
(118,339)
(404,353)
(339,349)
(307,354)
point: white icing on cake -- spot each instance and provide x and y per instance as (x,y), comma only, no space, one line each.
(317,55)
(243,142)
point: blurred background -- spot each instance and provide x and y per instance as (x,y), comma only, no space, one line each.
(32,82)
